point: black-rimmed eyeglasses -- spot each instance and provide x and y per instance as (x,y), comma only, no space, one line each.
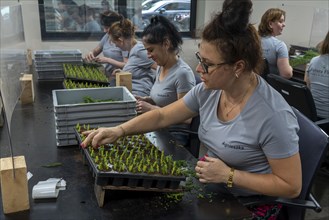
(205,66)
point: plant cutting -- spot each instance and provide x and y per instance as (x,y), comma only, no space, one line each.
(70,84)
(78,72)
(134,154)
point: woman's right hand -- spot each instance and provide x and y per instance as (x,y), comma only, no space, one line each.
(90,56)
(102,136)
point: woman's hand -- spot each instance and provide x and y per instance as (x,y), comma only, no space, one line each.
(102,60)
(212,170)
(90,57)
(102,136)
(143,106)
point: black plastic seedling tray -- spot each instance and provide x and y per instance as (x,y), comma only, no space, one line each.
(81,80)
(96,84)
(129,179)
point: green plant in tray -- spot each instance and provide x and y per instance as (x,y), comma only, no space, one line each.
(304,59)
(84,73)
(69,84)
(88,99)
(134,154)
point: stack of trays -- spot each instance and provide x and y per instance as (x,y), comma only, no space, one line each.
(70,109)
(49,63)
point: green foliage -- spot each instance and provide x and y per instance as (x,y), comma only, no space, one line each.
(135,154)
(84,72)
(304,59)
(70,84)
(88,99)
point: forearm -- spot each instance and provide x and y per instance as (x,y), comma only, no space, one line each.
(285,179)
(265,184)
(115,62)
(96,51)
(158,118)
(149,121)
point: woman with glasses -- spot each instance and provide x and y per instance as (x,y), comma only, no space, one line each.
(174,77)
(274,50)
(248,128)
(113,57)
(139,64)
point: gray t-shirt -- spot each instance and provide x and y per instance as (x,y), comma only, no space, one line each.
(111,51)
(273,49)
(266,128)
(180,79)
(318,74)
(139,65)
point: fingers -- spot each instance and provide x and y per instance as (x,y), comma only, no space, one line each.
(90,136)
(200,174)
(90,56)
(139,107)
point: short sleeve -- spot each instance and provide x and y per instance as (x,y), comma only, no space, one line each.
(282,50)
(280,135)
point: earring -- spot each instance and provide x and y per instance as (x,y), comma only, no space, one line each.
(236,75)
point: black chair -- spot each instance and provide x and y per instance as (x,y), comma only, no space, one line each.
(313,145)
(266,69)
(193,144)
(297,95)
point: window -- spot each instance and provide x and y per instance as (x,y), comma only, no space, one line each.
(80,19)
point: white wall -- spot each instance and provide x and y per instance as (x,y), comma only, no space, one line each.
(300,17)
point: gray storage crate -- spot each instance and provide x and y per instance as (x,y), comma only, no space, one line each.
(68,142)
(49,63)
(70,109)
(68,126)
(70,101)
(59,54)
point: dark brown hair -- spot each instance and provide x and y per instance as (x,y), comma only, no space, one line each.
(107,18)
(234,37)
(161,29)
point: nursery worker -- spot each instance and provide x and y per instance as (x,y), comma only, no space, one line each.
(174,77)
(139,64)
(317,79)
(248,128)
(114,57)
(275,50)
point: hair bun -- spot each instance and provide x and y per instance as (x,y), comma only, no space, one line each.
(234,18)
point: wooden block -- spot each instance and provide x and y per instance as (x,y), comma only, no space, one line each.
(27,95)
(124,79)
(15,195)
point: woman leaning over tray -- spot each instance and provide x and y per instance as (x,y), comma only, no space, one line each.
(248,128)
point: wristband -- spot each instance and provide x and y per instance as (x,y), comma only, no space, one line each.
(123,130)
(229,182)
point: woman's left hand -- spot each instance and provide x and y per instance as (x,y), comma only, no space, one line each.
(212,170)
